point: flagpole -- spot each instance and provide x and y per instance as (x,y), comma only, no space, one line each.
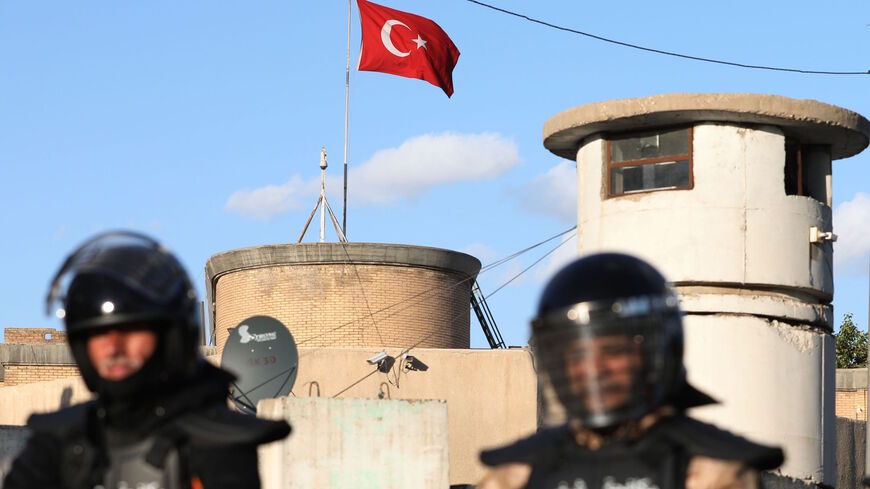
(346,98)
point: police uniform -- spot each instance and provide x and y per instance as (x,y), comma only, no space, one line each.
(167,424)
(608,339)
(660,459)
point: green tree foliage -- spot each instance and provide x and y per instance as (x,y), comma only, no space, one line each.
(851,345)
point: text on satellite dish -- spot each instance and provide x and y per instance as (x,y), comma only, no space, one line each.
(259,338)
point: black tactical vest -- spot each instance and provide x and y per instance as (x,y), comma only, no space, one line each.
(658,460)
(94,457)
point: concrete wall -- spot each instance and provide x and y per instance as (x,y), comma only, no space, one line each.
(361,443)
(851,450)
(12,441)
(756,292)
(736,226)
(357,294)
(772,380)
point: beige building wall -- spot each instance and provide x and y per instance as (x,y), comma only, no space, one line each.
(18,402)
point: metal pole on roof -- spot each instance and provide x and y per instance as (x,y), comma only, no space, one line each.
(322,192)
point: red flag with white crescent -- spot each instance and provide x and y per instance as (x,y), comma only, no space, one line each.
(405,44)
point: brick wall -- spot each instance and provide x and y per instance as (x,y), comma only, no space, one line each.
(350,305)
(17,374)
(852,403)
(33,336)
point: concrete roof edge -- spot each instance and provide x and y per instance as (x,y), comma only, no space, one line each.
(846,131)
(323,253)
(851,378)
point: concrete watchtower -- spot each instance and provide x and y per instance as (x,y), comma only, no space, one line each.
(730,196)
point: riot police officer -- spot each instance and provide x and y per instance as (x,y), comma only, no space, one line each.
(608,339)
(160,416)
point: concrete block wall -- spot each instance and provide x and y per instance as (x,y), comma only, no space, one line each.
(33,336)
(339,443)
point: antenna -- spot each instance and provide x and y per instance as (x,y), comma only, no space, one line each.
(322,191)
(262,353)
(324,206)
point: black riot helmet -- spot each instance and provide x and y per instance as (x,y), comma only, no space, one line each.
(608,337)
(120,280)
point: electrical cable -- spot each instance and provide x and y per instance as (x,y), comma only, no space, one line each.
(362,290)
(357,382)
(436,288)
(407,350)
(663,52)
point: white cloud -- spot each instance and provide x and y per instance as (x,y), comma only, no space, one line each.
(271,200)
(432,159)
(852,226)
(392,174)
(553,193)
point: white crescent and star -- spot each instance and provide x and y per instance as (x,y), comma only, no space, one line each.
(388,43)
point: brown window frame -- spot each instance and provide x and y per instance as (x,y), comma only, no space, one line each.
(650,161)
(799,163)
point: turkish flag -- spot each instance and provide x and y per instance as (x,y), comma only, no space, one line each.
(405,44)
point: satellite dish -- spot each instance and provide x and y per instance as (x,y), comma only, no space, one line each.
(262,353)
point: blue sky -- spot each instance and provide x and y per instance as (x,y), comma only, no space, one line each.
(201,123)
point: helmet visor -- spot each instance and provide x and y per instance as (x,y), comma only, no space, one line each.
(605,366)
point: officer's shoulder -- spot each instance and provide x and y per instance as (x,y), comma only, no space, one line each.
(525,450)
(63,421)
(706,440)
(217,426)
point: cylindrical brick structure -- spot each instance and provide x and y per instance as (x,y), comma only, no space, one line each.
(729,195)
(351,294)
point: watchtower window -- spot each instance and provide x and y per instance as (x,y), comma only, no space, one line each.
(642,162)
(808,170)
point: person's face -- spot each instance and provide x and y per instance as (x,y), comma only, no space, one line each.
(601,371)
(119,353)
